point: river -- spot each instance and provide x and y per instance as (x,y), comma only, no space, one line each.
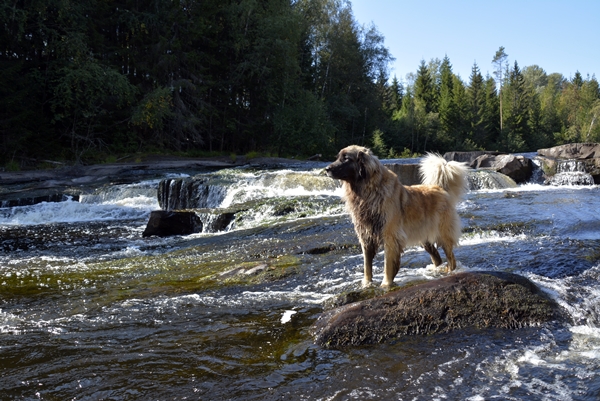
(91,310)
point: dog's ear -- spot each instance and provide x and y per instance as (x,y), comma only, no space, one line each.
(362,169)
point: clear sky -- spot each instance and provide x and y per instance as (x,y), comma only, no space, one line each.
(558,36)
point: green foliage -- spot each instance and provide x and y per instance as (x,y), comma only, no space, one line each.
(82,80)
(12,166)
(378,147)
(152,111)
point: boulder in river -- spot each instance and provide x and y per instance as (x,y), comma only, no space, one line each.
(580,160)
(164,223)
(518,168)
(408,174)
(572,151)
(459,301)
(467,157)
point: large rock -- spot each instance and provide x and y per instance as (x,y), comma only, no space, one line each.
(488,179)
(408,174)
(572,151)
(164,223)
(462,300)
(467,157)
(567,163)
(518,168)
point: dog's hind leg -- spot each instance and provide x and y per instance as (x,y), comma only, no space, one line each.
(436,259)
(450,257)
(369,251)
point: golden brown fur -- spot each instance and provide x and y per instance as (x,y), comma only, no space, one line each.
(385,212)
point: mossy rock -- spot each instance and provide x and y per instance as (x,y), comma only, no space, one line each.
(459,301)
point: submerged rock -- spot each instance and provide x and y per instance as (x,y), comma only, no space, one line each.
(462,300)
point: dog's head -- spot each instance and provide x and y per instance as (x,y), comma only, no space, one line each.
(353,164)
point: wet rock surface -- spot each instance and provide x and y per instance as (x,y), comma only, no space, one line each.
(463,300)
(467,157)
(29,187)
(572,151)
(408,174)
(582,159)
(518,168)
(163,223)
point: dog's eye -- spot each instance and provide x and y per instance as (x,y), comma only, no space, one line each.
(346,158)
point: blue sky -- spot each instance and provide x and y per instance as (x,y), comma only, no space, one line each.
(558,36)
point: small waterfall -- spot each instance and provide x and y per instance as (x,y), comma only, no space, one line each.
(488,179)
(231,187)
(571,172)
(119,193)
(572,178)
(35,199)
(190,193)
(570,166)
(537,172)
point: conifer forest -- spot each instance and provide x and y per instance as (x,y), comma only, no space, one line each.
(85,80)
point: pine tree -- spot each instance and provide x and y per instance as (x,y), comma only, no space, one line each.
(425,88)
(476,97)
(392,100)
(549,103)
(462,123)
(516,113)
(491,120)
(448,108)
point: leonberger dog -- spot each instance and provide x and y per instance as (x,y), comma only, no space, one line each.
(385,212)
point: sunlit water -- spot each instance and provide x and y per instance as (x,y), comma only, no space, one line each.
(91,310)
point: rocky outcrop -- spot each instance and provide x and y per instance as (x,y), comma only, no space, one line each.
(572,151)
(467,157)
(462,300)
(37,196)
(574,163)
(408,174)
(488,179)
(518,168)
(164,223)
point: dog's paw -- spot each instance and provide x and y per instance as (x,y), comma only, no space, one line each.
(367,284)
(386,284)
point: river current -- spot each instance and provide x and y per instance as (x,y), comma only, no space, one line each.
(91,310)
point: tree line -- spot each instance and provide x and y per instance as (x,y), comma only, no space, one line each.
(516,110)
(84,80)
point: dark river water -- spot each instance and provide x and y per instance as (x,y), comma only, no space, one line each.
(91,310)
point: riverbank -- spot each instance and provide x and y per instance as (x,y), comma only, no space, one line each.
(99,172)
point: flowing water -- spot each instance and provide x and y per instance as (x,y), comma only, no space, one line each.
(90,310)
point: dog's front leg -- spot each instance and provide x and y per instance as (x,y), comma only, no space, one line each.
(391,265)
(369,251)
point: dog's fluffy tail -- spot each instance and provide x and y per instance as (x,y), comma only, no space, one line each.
(451,176)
